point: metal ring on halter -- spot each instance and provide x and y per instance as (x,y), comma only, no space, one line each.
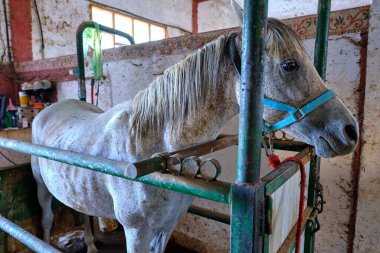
(268,150)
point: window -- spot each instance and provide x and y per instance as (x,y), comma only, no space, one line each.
(141,30)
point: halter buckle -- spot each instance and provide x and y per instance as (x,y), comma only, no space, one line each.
(298,115)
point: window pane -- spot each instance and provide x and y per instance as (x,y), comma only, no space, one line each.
(107,40)
(104,17)
(156,33)
(141,31)
(124,24)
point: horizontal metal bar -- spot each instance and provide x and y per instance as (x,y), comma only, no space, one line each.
(104,165)
(208,147)
(225,141)
(289,145)
(289,244)
(279,176)
(209,214)
(215,190)
(25,237)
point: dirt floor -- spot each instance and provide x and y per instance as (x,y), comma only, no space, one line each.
(106,242)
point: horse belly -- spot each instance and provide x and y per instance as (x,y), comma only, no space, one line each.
(81,189)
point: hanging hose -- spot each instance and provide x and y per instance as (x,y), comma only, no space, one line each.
(10,58)
(92,38)
(97,57)
(41,32)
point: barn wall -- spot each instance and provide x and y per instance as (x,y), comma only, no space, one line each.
(60,19)
(213,15)
(367,235)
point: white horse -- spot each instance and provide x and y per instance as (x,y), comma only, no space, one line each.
(189,104)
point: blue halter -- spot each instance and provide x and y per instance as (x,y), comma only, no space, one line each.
(296,114)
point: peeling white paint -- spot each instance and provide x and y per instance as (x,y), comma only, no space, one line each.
(217,14)
(367,236)
(60,19)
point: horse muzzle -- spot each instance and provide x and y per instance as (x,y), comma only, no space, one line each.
(340,141)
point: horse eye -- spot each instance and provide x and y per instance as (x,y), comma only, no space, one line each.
(289,65)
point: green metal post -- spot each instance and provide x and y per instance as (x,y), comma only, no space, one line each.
(320,60)
(322,37)
(247,218)
(252,90)
(80,54)
(247,195)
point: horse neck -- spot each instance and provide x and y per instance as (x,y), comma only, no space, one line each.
(216,111)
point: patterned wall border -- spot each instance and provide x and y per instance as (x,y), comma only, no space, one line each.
(343,21)
(353,20)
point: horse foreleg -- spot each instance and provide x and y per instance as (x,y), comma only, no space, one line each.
(161,239)
(138,240)
(88,235)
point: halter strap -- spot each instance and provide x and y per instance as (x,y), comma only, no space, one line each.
(233,52)
(295,113)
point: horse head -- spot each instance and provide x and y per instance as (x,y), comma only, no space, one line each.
(292,83)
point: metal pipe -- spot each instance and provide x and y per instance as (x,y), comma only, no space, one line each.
(9,49)
(252,90)
(208,147)
(216,191)
(209,214)
(104,165)
(25,237)
(322,37)
(320,60)
(80,54)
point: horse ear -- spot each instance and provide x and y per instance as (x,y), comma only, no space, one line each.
(237,10)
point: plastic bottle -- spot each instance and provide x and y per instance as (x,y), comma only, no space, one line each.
(13,111)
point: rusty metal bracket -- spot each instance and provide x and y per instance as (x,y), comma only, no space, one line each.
(313,222)
(268,215)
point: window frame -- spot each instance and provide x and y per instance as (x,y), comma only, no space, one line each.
(133,18)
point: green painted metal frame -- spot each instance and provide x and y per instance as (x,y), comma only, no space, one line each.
(320,60)
(247,194)
(80,54)
(273,181)
(216,190)
(25,237)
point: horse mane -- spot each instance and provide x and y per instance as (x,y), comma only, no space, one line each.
(183,88)
(282,41)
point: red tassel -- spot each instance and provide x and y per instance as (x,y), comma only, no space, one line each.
(274,161)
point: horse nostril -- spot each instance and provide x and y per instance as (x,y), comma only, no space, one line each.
(351,132)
